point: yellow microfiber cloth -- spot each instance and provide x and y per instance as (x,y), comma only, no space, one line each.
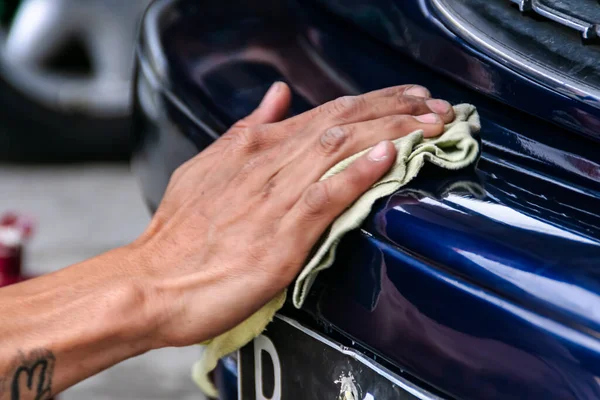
(454,149)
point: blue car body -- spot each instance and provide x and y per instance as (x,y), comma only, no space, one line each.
(483,284)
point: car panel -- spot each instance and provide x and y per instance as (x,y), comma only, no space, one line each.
(471,342)
(314,57)
(419,30)
(490,259)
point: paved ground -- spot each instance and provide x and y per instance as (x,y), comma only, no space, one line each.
(83,211)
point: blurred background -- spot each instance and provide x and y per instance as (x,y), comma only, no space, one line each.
(65,71)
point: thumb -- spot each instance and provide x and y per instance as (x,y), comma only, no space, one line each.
(273,107)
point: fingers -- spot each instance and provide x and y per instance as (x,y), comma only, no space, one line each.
(340,142)
(408,99)
(323,201)
(411,100)
(354,109)
(273,108)
(336,130)
(442,108)
(406,90)
(361,108)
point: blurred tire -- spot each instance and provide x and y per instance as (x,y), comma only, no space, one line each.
(65,67)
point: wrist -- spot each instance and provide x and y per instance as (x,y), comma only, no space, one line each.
(136,314)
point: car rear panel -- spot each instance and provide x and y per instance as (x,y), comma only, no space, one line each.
(483,284)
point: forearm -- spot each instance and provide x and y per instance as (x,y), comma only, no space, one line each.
(59,329)
(234,228)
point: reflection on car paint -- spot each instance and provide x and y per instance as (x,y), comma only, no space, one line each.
(465,281)
(515,218)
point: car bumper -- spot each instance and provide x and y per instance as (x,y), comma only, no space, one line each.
(481,284)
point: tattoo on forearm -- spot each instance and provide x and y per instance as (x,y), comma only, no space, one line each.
(30,377)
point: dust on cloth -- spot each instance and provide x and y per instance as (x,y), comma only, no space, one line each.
(454,149)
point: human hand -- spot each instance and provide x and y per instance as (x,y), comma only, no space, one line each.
(238,221)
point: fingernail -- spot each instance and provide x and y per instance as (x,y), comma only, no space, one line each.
(417,91)
(438,106)
(428,118)
(273,90)
(379,152)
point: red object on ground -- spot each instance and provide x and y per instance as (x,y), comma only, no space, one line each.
(14,232)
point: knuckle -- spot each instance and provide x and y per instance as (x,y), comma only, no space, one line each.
(316,198)
(394,90)
(344,106)
(246,140)
(416,90)
(409,104)
(346,102)
(333,139)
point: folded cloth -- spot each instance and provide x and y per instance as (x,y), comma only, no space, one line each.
(456,148)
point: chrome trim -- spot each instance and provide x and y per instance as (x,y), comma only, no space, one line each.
(511,59)
(381,370)
(524,5)
(151,37)
(589,30)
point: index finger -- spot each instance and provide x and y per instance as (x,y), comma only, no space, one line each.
(393,91)
(402,90)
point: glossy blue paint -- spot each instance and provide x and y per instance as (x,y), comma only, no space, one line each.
(483,284)
(450,331)
(499,240)
(415,29)
(471,294)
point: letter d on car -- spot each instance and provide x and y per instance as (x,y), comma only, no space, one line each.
(263,343)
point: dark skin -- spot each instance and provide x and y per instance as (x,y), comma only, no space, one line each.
(233,230)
